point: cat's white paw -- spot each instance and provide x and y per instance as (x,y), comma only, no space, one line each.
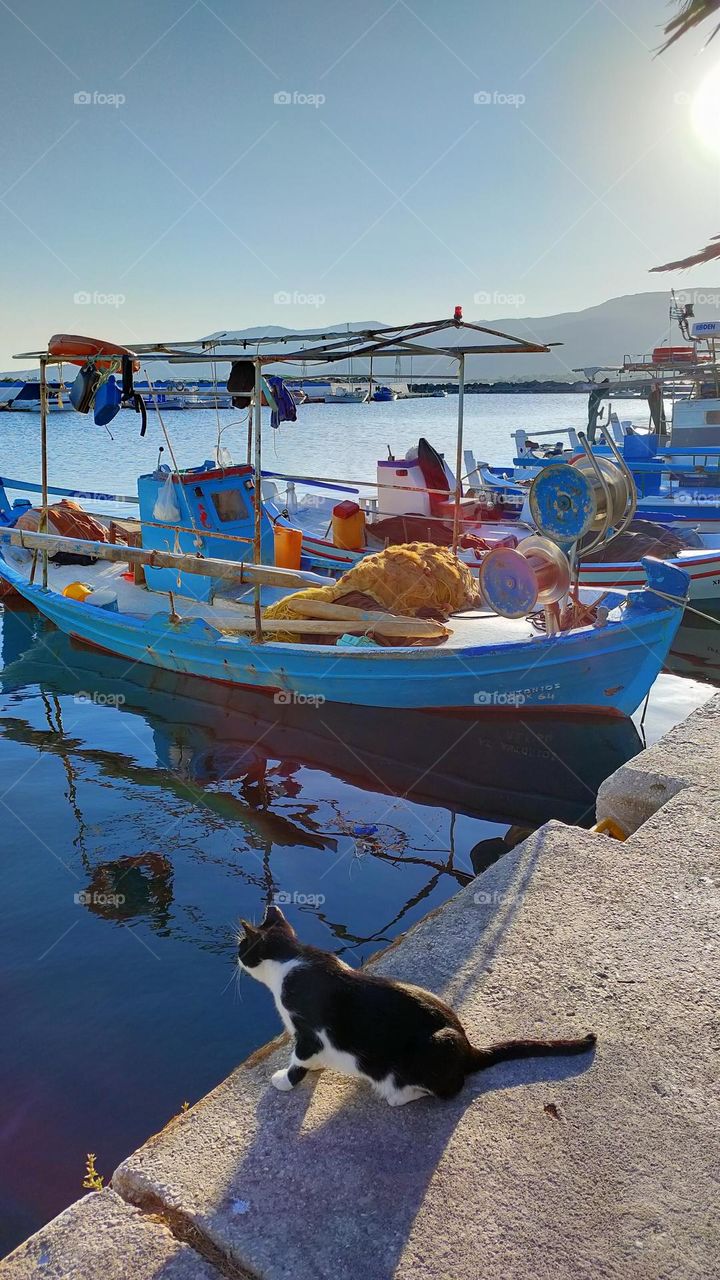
(281,1081)
(400,1097)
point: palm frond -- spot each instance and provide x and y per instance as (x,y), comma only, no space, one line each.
(692,13)
(706,255)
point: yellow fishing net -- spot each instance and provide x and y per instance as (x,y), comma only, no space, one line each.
(417,578)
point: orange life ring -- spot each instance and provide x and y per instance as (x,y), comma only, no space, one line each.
(76,349)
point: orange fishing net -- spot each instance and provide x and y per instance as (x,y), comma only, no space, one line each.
(417,579)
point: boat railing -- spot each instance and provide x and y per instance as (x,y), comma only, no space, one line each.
(25,486)
(334,482)
(676,469)
(333,485)
(682,367)
(521,436)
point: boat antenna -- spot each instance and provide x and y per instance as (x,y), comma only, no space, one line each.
(681,315)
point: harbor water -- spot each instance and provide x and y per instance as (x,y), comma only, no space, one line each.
(144,813)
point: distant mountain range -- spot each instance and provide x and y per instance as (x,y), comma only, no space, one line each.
(600,335)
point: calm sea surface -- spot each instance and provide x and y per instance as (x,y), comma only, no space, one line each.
(329,440)
(143,813)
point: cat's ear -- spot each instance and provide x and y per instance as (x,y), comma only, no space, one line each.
(273,915)
(251,930)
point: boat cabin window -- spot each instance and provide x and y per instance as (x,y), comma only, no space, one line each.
(229,505)
(712,417)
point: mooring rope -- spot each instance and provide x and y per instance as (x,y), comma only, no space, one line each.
(689,607)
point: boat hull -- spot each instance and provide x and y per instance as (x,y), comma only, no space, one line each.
(703,570)
(606,670)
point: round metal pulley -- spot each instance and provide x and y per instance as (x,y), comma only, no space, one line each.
(616,481)
(508,583)
(563,503)
(550,566)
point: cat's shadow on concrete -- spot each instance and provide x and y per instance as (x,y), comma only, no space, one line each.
(338,1177)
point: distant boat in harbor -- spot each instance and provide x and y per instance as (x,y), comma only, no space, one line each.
(167,400)
(435,393)
(347,395)
(27,399)
(328,393)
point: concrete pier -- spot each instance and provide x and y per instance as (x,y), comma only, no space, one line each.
(604,1165)
(101,1236)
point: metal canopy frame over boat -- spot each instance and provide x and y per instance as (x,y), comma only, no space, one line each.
(331,347)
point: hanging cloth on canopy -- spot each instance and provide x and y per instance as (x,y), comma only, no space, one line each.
(284,409)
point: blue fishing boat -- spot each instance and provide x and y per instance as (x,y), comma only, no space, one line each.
(530,643)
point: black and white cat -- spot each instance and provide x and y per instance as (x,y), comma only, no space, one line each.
(404,1041)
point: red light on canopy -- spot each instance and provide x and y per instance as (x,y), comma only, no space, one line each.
(458,313)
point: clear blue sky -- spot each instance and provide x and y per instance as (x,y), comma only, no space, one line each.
(200,198)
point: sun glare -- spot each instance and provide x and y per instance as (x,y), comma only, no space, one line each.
(706,110)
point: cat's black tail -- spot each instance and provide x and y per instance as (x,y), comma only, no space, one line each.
(508,1050)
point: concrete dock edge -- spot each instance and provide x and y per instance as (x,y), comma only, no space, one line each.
(102,1238)
(689,755)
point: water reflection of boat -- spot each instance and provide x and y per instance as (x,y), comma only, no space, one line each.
(506,771)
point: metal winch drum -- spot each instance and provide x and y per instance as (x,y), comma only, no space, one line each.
(514,582)
(568,501)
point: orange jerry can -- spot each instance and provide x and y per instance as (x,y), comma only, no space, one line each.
(288,547)
(348,526)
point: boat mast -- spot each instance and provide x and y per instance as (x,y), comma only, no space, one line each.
(257,408)
(43,447)
(459,453)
